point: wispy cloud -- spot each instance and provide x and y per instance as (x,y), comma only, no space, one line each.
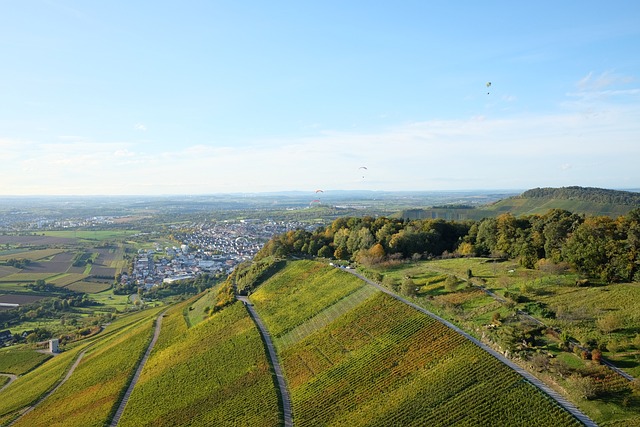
(593,82)
(140,127)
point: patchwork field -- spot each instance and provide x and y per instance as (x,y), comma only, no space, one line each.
(383,363)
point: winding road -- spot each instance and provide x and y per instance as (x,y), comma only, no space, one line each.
(282,384)
(529,377)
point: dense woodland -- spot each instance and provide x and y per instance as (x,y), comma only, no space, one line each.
(586,194)
(598,247)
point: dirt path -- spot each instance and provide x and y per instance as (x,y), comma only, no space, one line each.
(282,384)
(136,376)
(53,390)
(12,378)
(529,377)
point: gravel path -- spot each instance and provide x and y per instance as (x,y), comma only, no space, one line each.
(529,377)
(12,378)
(136,376)
(282,384)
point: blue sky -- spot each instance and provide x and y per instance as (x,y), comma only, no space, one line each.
(200,97)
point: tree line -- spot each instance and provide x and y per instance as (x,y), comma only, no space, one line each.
(596,246)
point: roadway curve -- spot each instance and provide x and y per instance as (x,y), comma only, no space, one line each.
(533,380)
(282,384)
(136,376)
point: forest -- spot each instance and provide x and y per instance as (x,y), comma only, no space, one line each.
(598,247)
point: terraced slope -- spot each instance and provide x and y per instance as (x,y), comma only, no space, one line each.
(380,362)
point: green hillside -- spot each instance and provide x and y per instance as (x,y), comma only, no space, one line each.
(213,374)
(580,200)
(372,360)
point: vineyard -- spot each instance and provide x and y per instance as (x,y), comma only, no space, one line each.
(383,363)
(19,361)
(92,393)
(299,292)
(30,387)
(215,373)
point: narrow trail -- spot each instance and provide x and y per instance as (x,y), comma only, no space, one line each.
(282,384)
(136,376)
(529,377)
(12,378)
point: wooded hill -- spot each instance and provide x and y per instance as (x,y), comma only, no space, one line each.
(580,200)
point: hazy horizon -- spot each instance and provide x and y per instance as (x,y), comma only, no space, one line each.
(201,98)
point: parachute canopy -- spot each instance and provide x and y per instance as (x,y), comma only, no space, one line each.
(488,84)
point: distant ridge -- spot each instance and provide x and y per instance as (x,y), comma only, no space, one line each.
(580,200)
(587,194)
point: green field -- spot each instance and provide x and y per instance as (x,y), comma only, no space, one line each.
(215,373)
(27,277)
(92,234)
(384,363)
(89,287)
(64,280)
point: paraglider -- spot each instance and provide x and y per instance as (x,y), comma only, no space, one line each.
(488,85)
(362,167)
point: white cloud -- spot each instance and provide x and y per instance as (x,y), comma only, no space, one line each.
(515,152)
(140,127)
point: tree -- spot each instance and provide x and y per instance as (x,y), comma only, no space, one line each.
(451,283)
(408,287)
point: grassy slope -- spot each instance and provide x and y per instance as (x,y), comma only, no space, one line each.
(214,373)
(384,363)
